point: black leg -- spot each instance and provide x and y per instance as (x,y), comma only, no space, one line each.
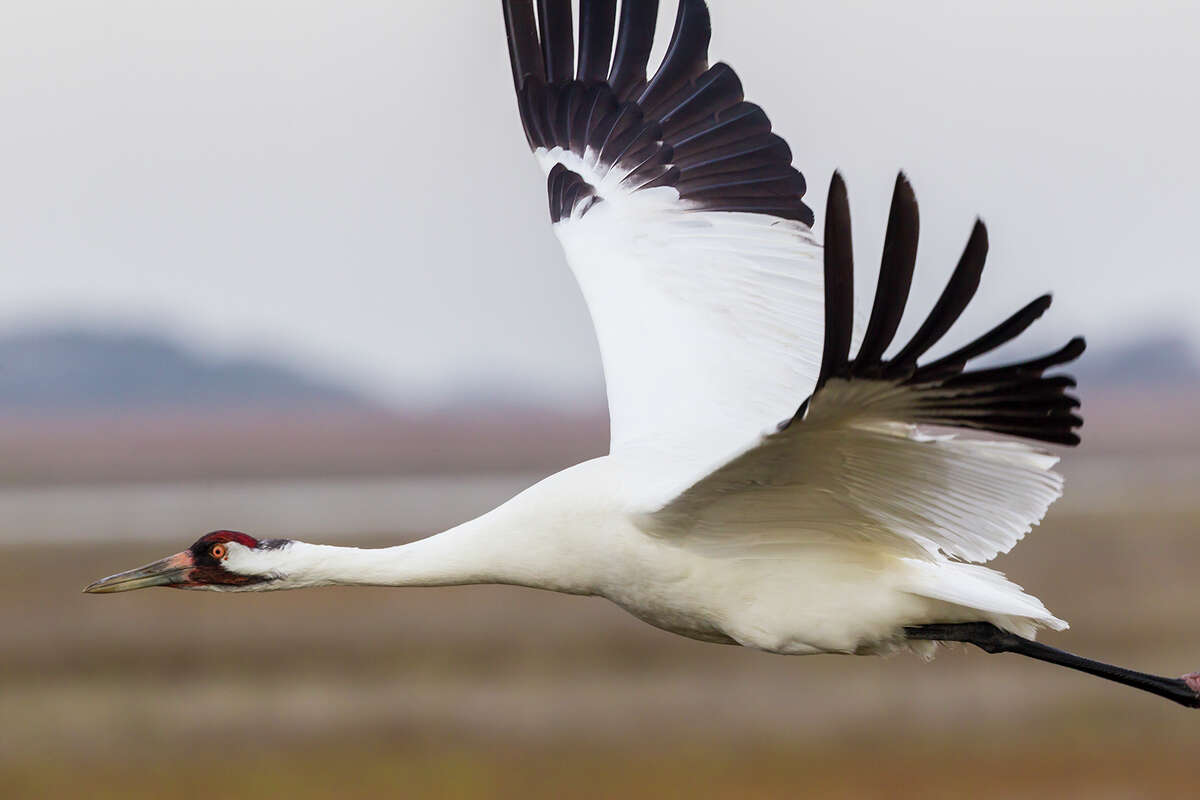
(991,639)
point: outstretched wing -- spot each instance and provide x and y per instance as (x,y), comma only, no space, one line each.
(682,219)
(852,463)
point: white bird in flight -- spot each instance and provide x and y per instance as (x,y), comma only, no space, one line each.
(730,508)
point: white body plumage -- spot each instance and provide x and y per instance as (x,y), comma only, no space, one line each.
(573,533)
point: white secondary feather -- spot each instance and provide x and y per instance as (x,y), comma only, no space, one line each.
(855,470)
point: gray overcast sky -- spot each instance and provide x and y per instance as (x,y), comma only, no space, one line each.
(346,185)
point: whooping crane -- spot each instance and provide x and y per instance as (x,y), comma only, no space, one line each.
(722,512)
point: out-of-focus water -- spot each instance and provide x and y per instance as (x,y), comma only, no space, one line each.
(320,509)
(326,509)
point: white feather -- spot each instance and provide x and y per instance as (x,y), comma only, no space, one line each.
(855,469)
(710,324)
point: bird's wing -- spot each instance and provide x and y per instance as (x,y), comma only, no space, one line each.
(682,219)
(854,464)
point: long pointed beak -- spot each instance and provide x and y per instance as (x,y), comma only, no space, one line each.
(171,570)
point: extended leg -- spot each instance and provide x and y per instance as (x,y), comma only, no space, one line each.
(986,636)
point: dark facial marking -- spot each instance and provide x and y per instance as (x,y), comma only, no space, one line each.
(208,552)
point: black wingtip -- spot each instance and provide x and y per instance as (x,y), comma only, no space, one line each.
(1032,367)
(594,92)
(979,229)
(597,23)
(902,190)
(839,282)
(959,291)
(1074,348)
(635,37)
(1017,400)
(1065,354)
(524,49)
(686,56)
(558,39)
(837,182)
(1007,330)
(895,275)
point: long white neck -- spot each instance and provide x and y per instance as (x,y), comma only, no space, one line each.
(456,557)
(527,542)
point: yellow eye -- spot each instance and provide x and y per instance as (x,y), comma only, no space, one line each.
(218,551)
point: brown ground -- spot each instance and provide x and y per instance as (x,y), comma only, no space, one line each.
(105,448)
(502,692)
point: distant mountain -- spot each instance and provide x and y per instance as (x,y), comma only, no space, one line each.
(66,371)
(87,406)
(1162,359)
(61,371)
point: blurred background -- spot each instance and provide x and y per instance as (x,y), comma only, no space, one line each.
(286,268)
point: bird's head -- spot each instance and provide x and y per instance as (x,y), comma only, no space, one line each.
(223,561)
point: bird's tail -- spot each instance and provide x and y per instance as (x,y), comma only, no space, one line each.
(971,593)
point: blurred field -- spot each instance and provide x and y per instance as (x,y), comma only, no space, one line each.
(504,692)
(49,449)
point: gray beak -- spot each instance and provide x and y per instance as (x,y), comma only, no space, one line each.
(171,570)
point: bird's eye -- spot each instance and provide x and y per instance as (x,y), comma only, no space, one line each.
(218,551)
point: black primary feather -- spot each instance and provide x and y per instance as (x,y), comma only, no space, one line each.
(524,50)
(1014,399)
(597,23)
(953,301)
(558,40)
(1006,331)
(895,275)
(685,59)
(839,282)
(660,128)
(635,37)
